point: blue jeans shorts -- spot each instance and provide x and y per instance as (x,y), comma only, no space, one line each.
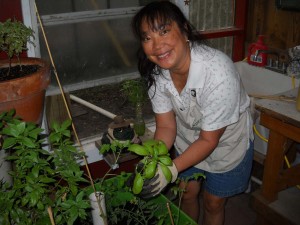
(229,183)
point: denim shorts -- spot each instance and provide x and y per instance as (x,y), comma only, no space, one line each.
(229,183)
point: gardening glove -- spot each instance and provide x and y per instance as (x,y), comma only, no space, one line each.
(139,167)
(157,184)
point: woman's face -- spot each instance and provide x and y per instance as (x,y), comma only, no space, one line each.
(166,46)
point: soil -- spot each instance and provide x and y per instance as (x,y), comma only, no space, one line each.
(110,98)
(17,72)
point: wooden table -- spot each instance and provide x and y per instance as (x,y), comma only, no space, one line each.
(283,121)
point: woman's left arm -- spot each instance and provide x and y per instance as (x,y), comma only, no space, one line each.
(199,149)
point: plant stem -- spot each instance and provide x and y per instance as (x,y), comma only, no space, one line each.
(179,202)
(101,209)
(50,213)
(133,215)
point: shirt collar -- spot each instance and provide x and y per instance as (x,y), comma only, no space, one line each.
(196,71)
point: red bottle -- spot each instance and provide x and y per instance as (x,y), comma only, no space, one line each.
(254,56)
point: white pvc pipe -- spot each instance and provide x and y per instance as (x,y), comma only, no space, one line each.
(5,167)
(97,218)
(92,106)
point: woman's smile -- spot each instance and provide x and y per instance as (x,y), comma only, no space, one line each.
(164,56)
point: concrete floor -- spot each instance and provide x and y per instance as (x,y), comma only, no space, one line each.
(237,211)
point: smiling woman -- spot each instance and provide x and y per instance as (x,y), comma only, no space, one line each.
(200,106)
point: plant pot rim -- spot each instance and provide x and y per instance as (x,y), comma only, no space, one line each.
(26,94)
(44,66)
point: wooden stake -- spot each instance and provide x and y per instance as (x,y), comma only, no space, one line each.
(170,213)
(67,107)
(49,209)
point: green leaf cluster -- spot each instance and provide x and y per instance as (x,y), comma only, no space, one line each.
(14,36)
(135,90)
(154,152)
(41,178)
(124,207)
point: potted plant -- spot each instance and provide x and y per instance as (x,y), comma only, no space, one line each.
(136,92)
(23,81)
(46,184)
(45,187)
(124,207)
(122,192)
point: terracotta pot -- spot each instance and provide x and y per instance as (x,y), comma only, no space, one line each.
(26,94)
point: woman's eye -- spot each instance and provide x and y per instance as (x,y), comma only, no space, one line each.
(145,39)
(163,32)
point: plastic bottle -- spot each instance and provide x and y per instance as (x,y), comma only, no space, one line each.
(254,58)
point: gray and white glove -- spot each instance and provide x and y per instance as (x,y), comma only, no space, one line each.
(157,184)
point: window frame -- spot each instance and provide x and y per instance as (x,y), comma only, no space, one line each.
(238,32)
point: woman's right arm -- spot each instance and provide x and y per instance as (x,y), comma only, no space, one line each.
(165,128)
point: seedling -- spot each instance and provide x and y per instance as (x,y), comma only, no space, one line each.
(14,36)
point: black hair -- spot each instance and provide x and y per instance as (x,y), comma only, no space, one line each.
(164,12)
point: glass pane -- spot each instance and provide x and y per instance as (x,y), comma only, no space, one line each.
(212,14)
(207,15)
(91,50)
(65,6)
(223,44)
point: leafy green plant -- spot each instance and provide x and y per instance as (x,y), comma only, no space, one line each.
(116,147)
(136,92)
(154,153)
(178,191)
(45,183)
(122,200)
(124,207)
(14,36)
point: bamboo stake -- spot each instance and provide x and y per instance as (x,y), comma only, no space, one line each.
(49,209)
(170,213)
(69,113)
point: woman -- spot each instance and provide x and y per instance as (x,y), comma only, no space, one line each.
(200,106)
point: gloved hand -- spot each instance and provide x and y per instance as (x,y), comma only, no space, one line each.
(139,167)
(155,185)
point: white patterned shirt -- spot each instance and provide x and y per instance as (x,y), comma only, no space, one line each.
(212,98)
